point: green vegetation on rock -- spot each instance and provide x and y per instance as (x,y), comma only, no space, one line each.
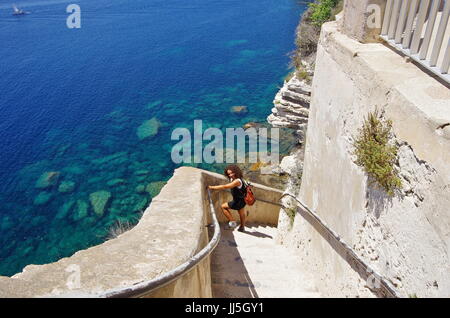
(375,154)
(322,10)
(308,33)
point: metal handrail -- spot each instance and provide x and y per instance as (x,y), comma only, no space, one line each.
(167,278)
(385,288)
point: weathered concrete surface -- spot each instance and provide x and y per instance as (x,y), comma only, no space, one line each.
(407,237)
(359,22)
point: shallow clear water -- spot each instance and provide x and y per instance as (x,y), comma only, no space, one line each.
(71,102)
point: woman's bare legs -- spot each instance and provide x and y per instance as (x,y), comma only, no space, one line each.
(226,211)
(242,217)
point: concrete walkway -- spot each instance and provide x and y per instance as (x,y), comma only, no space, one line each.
(251,265)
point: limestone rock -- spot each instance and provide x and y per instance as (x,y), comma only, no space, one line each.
(148,129)
(289,165)
(47,179)
(99,200)
(42,198)
(66,186)
(292,106)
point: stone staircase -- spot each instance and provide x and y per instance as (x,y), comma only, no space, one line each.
(250,265)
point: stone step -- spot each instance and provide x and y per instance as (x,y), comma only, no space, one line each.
(250,264)
(244,279)
(225,291)
(232,289)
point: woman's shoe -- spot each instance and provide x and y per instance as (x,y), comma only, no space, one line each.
(231,225)
(241,229)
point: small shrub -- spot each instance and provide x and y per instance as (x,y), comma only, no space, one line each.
(290,212)
(374,153)
(322,11)
(303,75)
(119,228)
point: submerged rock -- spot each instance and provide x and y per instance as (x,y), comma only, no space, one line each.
(6,223)
(239,109)
(154,188)
(151,105)
(115,182)
(74,170)
(42,198)
(99,200)
(81,210)
(140,205)
(64,210)
(140,188)
(148,129)
(66,186)
(117,157)
(142,172)
(47,179)
(250,125)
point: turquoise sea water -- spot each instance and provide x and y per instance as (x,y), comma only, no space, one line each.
(72,102)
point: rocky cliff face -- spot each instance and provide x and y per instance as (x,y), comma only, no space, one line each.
(291,104)
(292,107)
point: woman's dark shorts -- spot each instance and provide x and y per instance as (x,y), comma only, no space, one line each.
(236,205)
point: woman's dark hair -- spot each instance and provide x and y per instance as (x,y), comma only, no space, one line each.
(237,171)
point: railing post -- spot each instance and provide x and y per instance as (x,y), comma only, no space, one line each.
(415,31)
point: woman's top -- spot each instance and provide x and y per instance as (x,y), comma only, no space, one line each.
(238,192)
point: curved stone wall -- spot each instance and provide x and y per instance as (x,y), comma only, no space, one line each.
(171,230)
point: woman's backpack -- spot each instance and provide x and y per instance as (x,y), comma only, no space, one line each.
(249,197)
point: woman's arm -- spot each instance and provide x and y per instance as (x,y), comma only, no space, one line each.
(230,185)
